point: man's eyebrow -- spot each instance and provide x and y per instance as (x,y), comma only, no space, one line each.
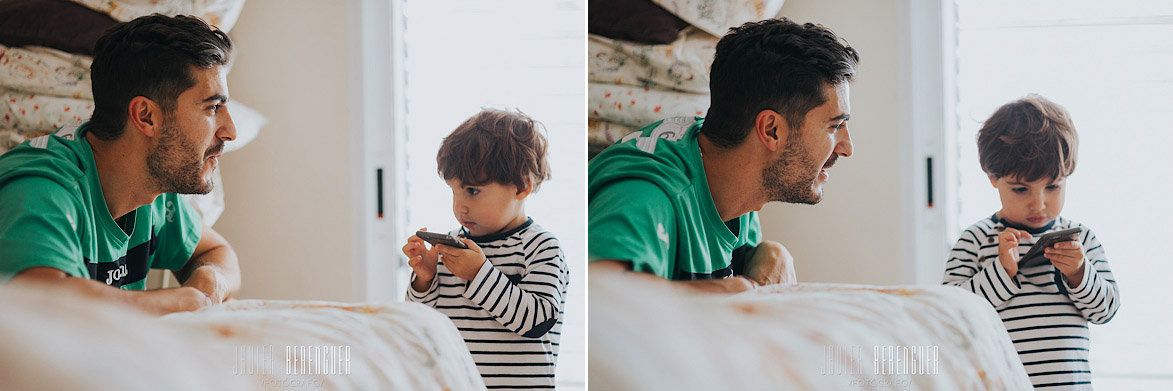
(216,97)
(840,117)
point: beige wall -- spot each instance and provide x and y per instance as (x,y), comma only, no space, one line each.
(288,193)
(854,235)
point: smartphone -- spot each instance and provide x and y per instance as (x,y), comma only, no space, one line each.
(439,238)
(1036,257)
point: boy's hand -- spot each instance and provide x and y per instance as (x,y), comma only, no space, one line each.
(1068,257)
(464,263)
(422,261)
(1008,249)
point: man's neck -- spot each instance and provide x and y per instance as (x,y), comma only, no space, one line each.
(126,184)
(734,178)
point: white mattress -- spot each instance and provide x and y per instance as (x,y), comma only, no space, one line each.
(805,337)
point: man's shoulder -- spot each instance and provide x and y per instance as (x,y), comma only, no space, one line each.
(659,153)
(668,133)
(55,156)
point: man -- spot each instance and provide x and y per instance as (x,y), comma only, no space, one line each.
(678,199)
(92,208)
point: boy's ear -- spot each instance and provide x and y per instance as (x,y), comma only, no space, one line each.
(525,192)
(993,180)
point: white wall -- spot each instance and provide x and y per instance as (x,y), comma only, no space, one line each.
(856,234)
(288,193)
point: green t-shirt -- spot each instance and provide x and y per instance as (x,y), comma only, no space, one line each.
(649,203)
(53,213)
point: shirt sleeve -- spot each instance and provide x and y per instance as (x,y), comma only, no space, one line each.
(178,231)
(428,296)
(1097,296)
(39,228)
(533,305)
(632,221)
(985,277)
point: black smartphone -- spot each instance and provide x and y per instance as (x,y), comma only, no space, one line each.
(439,238)
(1035,257)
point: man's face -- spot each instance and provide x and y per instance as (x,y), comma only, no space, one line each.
(798,175)
(192,136)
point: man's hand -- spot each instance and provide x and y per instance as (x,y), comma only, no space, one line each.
(464,263)
(736,284)
(770,263)
(422,261)
(212,268)
(1008,249)
(1069,258)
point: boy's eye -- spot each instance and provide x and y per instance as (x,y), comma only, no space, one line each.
(473,191)
(1019,190)
(1052,187)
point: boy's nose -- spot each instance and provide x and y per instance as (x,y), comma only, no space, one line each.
(1038,204)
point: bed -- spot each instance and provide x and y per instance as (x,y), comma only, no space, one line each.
(59,342)
(802,337)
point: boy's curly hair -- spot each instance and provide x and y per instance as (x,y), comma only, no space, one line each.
(1029,139)
(495,146)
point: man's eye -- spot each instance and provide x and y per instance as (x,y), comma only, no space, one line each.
(214,108)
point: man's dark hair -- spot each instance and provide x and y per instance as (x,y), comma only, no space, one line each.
(774,64)
(1029,139)
(498,146)
(152,56)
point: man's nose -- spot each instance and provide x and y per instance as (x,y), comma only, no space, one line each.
(843,145)
(227,130)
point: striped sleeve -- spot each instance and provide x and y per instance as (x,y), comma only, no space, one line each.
(531,305)
(428,297)
(985,277)
(1097,296)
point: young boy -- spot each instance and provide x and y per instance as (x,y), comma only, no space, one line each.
(505,292)
(1028,149)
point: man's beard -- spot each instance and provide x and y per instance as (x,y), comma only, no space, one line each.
(790,178)
(175,164)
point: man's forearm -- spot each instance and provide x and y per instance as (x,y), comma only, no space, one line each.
(159,302)
(726,285)
(214,272)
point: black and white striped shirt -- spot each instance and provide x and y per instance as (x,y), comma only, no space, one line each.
(1046,318)
(510,315)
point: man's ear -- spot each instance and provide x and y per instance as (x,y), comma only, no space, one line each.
(771,129)
(145,115)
